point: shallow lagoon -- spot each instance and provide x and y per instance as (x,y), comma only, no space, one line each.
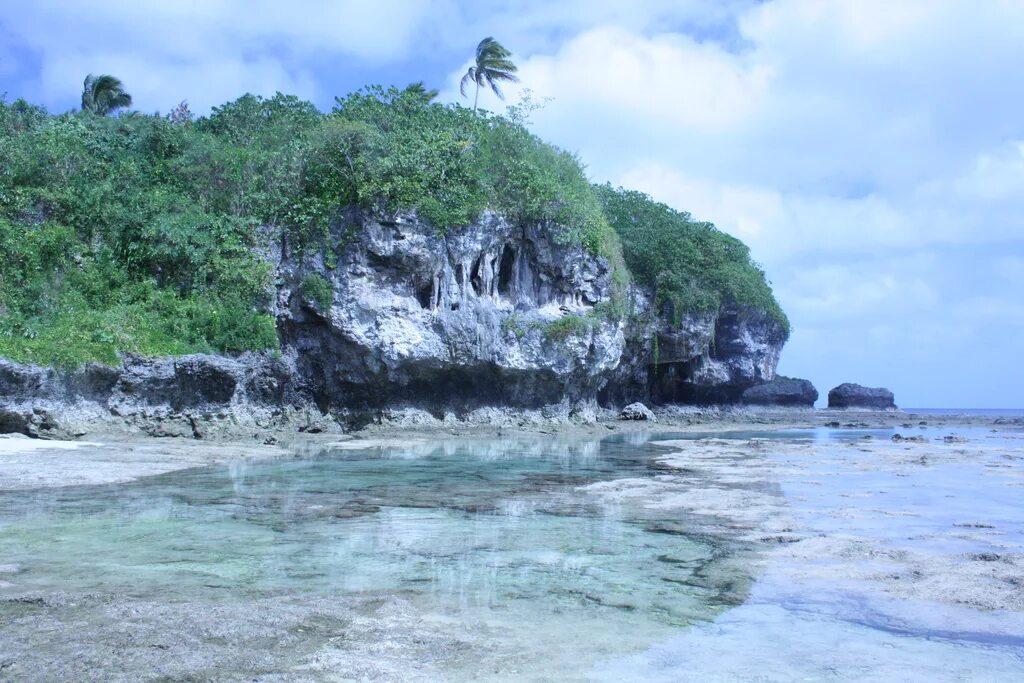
(468,559)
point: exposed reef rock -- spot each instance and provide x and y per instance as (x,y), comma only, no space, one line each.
(782,391)
(855,396)
(637,411)
(193,396)
(393,316)
(699,358)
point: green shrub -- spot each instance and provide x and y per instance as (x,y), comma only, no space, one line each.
(112,242)
(569,325)
(138,233)
(318,289)
(390,148)
(691,265)
(514,325)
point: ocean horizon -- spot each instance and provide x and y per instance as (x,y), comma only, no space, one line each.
(992,412)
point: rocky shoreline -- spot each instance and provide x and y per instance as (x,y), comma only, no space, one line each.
(112,453)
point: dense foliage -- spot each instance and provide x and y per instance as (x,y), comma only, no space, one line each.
(137,233)
(119,235)
(390,148)
(690,264)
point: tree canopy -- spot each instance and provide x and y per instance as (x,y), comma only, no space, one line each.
(142,233)
(491,67)
(104,95)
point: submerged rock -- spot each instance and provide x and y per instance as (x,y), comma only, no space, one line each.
(637,411)
(899,438)
(782,391)
(855,396)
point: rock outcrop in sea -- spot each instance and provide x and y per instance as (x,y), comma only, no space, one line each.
(850,395)
(782,391)
(397,317)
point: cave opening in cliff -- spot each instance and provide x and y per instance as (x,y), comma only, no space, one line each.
(508,259)
(425,295)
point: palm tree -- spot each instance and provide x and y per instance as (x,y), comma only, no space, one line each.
(104,94)
(492,65)
(418,89)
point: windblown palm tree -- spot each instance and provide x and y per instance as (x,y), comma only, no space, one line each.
(420,90)
(104,94)
(492,66)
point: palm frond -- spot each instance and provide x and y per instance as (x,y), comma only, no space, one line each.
(493,64)
(499,65)
(119,101)
(496,89)
(419,89)
(104,94)
(470,77)
(502,76)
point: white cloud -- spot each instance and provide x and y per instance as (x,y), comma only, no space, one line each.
(620,71)
(210,51)
(995,175)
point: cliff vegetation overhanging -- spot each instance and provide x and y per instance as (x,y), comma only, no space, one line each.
(142,233)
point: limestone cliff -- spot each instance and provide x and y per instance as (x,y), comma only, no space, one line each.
(393,315)
(500,314)
(448,322)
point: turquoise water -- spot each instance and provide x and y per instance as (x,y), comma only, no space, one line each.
(496,535)
(497,543)
(476,523)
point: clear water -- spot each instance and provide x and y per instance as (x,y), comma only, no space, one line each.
(475,522)
(494,534)
(497,541)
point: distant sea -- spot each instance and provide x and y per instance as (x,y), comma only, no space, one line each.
(993,412)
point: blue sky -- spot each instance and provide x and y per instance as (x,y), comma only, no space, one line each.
(870,152)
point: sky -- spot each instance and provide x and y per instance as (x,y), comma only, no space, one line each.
(870,152)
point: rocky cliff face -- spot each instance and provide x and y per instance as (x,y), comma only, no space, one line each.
(500,314)
(192,396)
(448,322)
(398,317)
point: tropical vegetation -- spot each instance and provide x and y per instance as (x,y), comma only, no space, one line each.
(490,68)
(140,233)
(691,265)
(104,95)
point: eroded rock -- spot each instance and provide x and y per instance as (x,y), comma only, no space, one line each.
(782,391)
(850,395)
(495,314)
(637,411)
